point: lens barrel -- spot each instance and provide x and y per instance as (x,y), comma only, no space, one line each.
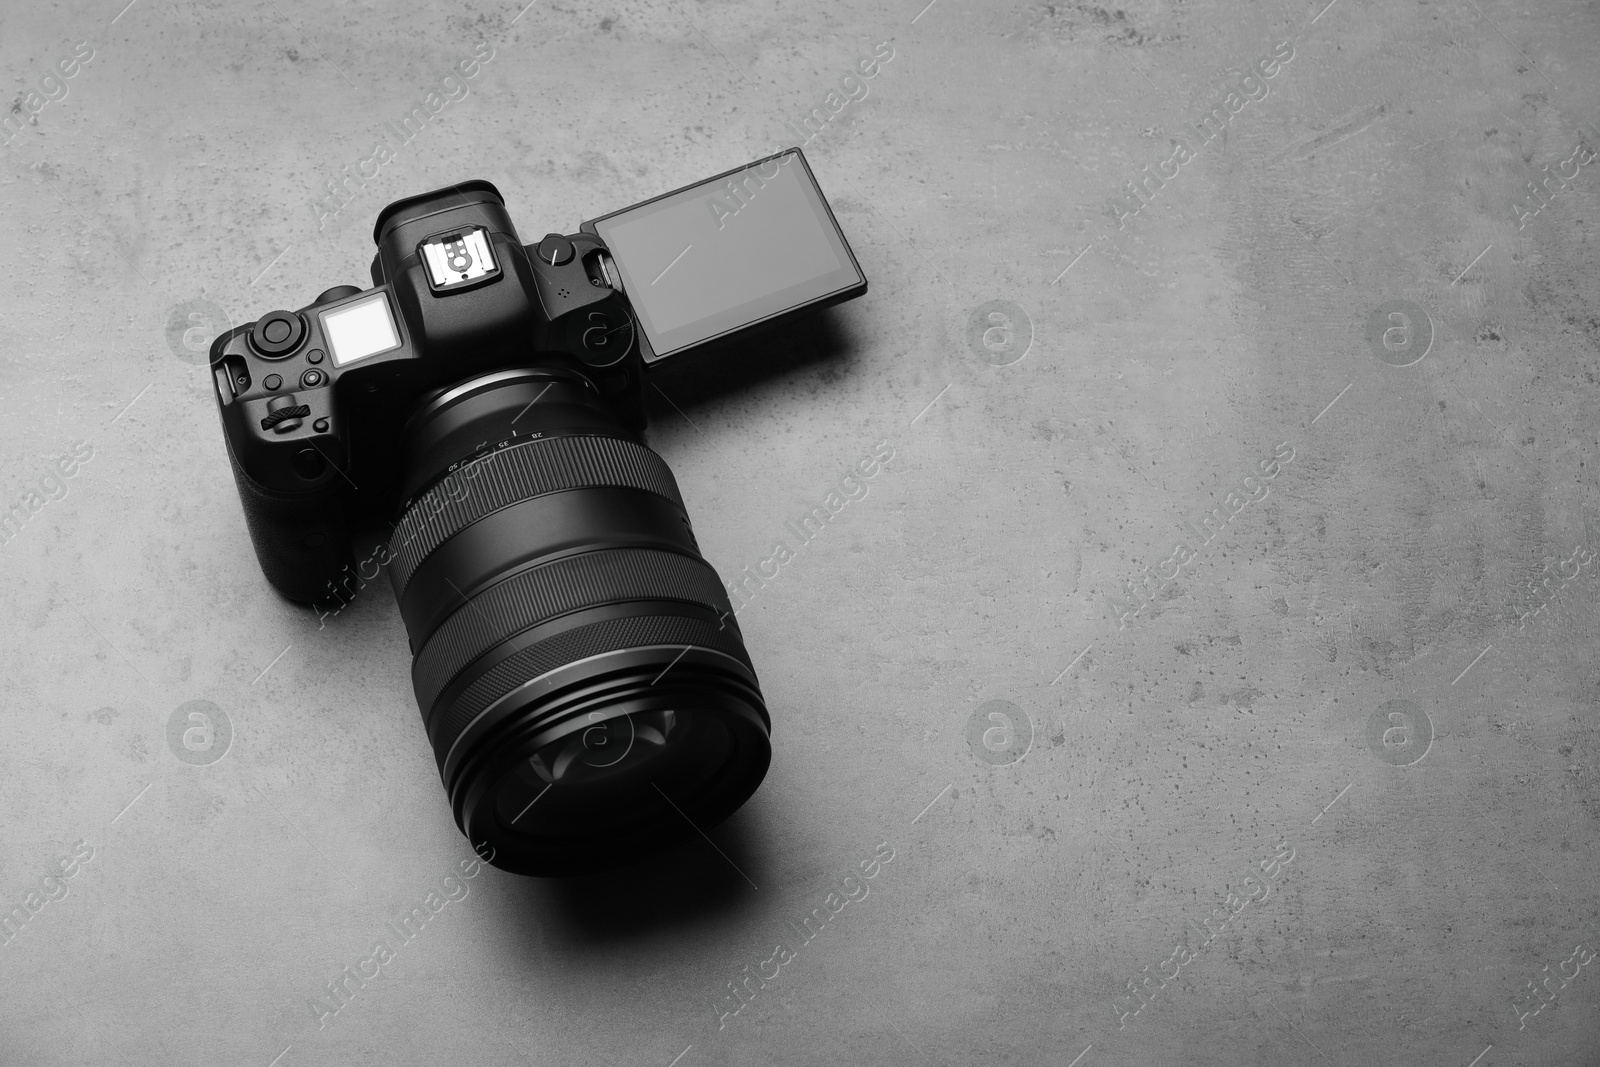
(579,670)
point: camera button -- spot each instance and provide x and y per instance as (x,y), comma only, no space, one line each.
(321,426)
(277,333)
(314,356)
(555,250)
(309,463)
(272,381)
(312,378)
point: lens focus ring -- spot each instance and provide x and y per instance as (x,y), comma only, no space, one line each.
(542,593)
(511,475)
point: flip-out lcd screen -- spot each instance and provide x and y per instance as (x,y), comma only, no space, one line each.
(729,252)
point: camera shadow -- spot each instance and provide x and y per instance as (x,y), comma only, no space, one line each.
(816,341)
(705,880)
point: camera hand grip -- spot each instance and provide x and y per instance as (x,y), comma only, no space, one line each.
(301,539)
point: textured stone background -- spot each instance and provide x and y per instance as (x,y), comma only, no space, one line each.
(1390,562)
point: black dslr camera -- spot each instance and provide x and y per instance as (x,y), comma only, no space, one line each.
(580,674)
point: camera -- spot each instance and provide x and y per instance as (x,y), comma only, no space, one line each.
(580,674)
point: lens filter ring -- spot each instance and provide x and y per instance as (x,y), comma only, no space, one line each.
(707,751)
(522,684)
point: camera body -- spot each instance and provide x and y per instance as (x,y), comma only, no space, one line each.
(486,397)
(314,420)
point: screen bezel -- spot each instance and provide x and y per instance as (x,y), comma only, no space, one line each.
(855,286)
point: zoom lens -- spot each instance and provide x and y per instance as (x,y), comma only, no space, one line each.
(580,673)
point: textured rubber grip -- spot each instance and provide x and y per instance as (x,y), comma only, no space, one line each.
(539,594)
(447,723)
(510,475)
(301,540)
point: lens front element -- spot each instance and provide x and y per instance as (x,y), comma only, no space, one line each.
(602,744)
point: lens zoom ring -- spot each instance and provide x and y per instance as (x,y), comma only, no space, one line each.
(579,643)
(533,596)
(514,474)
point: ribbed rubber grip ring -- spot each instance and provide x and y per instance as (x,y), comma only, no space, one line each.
(509,475)
(539,594)
(581,642)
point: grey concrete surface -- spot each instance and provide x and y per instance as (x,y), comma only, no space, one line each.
(1353,728)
